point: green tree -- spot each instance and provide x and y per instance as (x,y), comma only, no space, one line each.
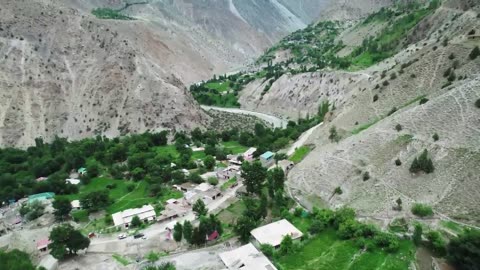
(267,249)
(138,174)
(436,243)
(254,175)
(464,250)
(286,246)
(15,260)
(334,137)
(65,240)
(200,208)
(178,232)
(209,162)
(32,211)
(95,200)
(93,169)
(417,234)
(243,227)
(62,207)
(187,231)
(475,53)
(136,222)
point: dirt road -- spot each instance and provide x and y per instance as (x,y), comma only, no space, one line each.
(275,121)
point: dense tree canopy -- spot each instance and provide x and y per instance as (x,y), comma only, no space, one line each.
(66,241)
(15,260)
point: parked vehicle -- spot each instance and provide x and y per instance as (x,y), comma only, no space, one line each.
(122,236)
(139,235)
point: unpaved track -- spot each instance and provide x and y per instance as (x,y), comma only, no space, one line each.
(302,139)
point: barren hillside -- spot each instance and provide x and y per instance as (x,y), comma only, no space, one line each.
(65,72)
(388,111)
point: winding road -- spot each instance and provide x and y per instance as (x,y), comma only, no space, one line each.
(275,121)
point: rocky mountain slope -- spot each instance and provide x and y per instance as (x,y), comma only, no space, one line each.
(65,72)
(379,119)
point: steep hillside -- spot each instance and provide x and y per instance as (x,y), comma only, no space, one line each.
(65,72)
(392,112)
(396,78)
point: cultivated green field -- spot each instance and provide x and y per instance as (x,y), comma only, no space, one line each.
(234,146)
(327,251)
(219,86)
(121,197)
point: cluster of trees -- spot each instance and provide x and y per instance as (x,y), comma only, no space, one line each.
(257,202)
(19,168)
(422,164)
(366,236)
(198,235)
(32,211)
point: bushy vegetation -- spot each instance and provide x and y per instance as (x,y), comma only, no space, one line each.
(108,13)
(15,260)
(475,53)
(464,250)
(66,241)
(422,210)
(422,164)
(316,44)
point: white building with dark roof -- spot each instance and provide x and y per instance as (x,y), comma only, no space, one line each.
(274,232)
(246,257)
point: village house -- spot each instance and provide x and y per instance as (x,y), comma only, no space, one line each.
(229,172)
(72,181)
(75,204)
(185,187)
(174,208)
(248,155)
(246,257)
(41,197)
(233,160)
(274,233)
(267,159)
(124,218)
(42,244)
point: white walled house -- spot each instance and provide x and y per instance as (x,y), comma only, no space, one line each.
(124,218)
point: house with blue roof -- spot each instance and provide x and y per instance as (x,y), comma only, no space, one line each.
(41,197)
(267,159)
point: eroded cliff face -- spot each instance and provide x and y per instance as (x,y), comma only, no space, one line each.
(64,72)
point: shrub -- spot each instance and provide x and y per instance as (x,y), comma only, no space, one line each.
(398,162)
(463,251)
(477,103)
(267,249)
(136,222)
(392,111)
(375,98)
(422,163)
(423,101)
(338,190)
(435,137)
(398,127)
(452,77)
(422,210)
(366,176)
(130,187)
(334,137)
(475,53)
(213,181)
(451,56)
(385,83)
(393,76)
(298,212)
(436,243)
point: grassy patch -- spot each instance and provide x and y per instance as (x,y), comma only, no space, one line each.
(228,184)
(107,13)
(234,146)
(327,251)
(80,215)
(366,126)
(99,184)
(198,155)
(219,86)
(300,154)
(404,139)
(124,261)
(155,256)
(455,227)
(167,151)
(232,212)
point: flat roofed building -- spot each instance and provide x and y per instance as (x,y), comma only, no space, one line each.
(75,204)
(274,233)
(248,155)
(145,213)
(246,257)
